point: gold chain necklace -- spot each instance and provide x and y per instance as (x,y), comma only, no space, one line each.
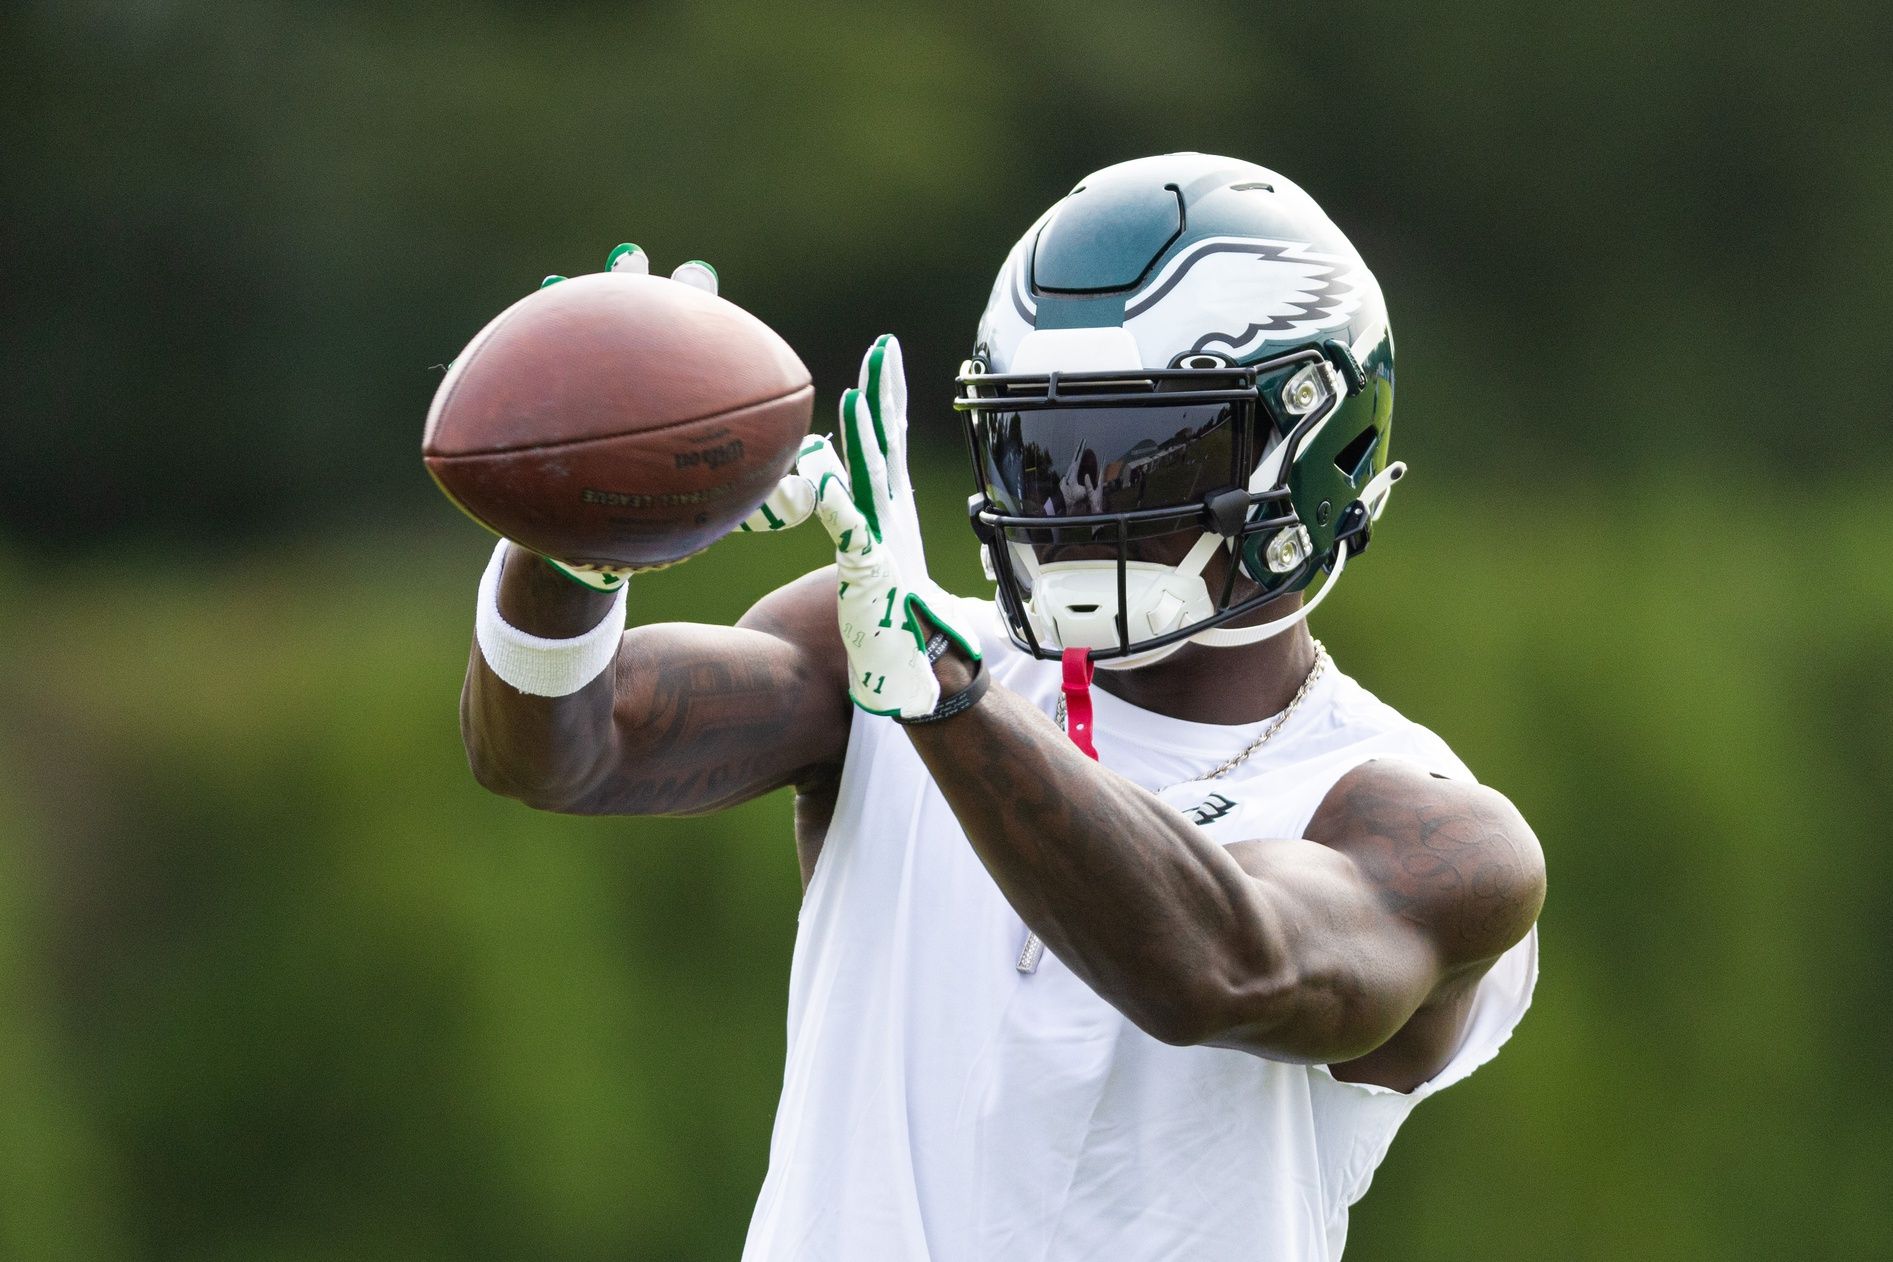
(1268,733)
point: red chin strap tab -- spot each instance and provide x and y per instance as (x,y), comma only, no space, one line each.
(1078,671)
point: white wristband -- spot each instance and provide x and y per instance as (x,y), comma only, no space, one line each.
(532,663)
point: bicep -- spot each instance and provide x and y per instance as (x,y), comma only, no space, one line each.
(1353,971)
(706,717)
(1406,882)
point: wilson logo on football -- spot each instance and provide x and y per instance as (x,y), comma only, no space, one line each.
(713,457)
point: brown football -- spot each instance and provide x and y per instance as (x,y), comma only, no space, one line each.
(617,420)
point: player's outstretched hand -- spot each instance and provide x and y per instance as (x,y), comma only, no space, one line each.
(885,600)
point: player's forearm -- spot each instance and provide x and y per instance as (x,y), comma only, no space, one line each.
(538,599)
(1156,918)
(546,751)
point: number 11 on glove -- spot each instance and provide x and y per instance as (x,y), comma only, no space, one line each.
(885,601)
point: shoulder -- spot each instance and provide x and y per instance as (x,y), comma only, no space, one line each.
(801,613)
(1452,856)
(801,610)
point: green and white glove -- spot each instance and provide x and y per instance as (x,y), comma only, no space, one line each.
(790,504)
(867,507)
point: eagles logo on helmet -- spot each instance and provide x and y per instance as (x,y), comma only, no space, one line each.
(1183,355)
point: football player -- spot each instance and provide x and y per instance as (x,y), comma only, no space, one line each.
(1150,963)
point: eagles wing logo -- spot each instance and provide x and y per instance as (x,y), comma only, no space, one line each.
(1209,812)
(1252,291)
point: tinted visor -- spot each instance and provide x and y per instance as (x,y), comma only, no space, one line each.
(1078,461)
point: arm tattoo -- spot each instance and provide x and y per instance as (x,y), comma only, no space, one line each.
(1451,858)
(690,718)
(705,733)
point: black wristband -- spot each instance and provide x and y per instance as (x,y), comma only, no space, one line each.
(958,703)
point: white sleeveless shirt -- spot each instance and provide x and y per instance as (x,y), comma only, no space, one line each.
(938,1105)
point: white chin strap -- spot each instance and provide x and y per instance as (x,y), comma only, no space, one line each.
(1230,637)
(1074,603)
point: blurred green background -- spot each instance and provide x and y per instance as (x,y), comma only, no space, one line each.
(279,982)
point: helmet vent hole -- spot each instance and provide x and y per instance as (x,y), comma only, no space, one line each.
(1202,360)
(1253,186)
(1354,459)
(1083,608)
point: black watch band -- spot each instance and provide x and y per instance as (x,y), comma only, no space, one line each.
(959,702)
